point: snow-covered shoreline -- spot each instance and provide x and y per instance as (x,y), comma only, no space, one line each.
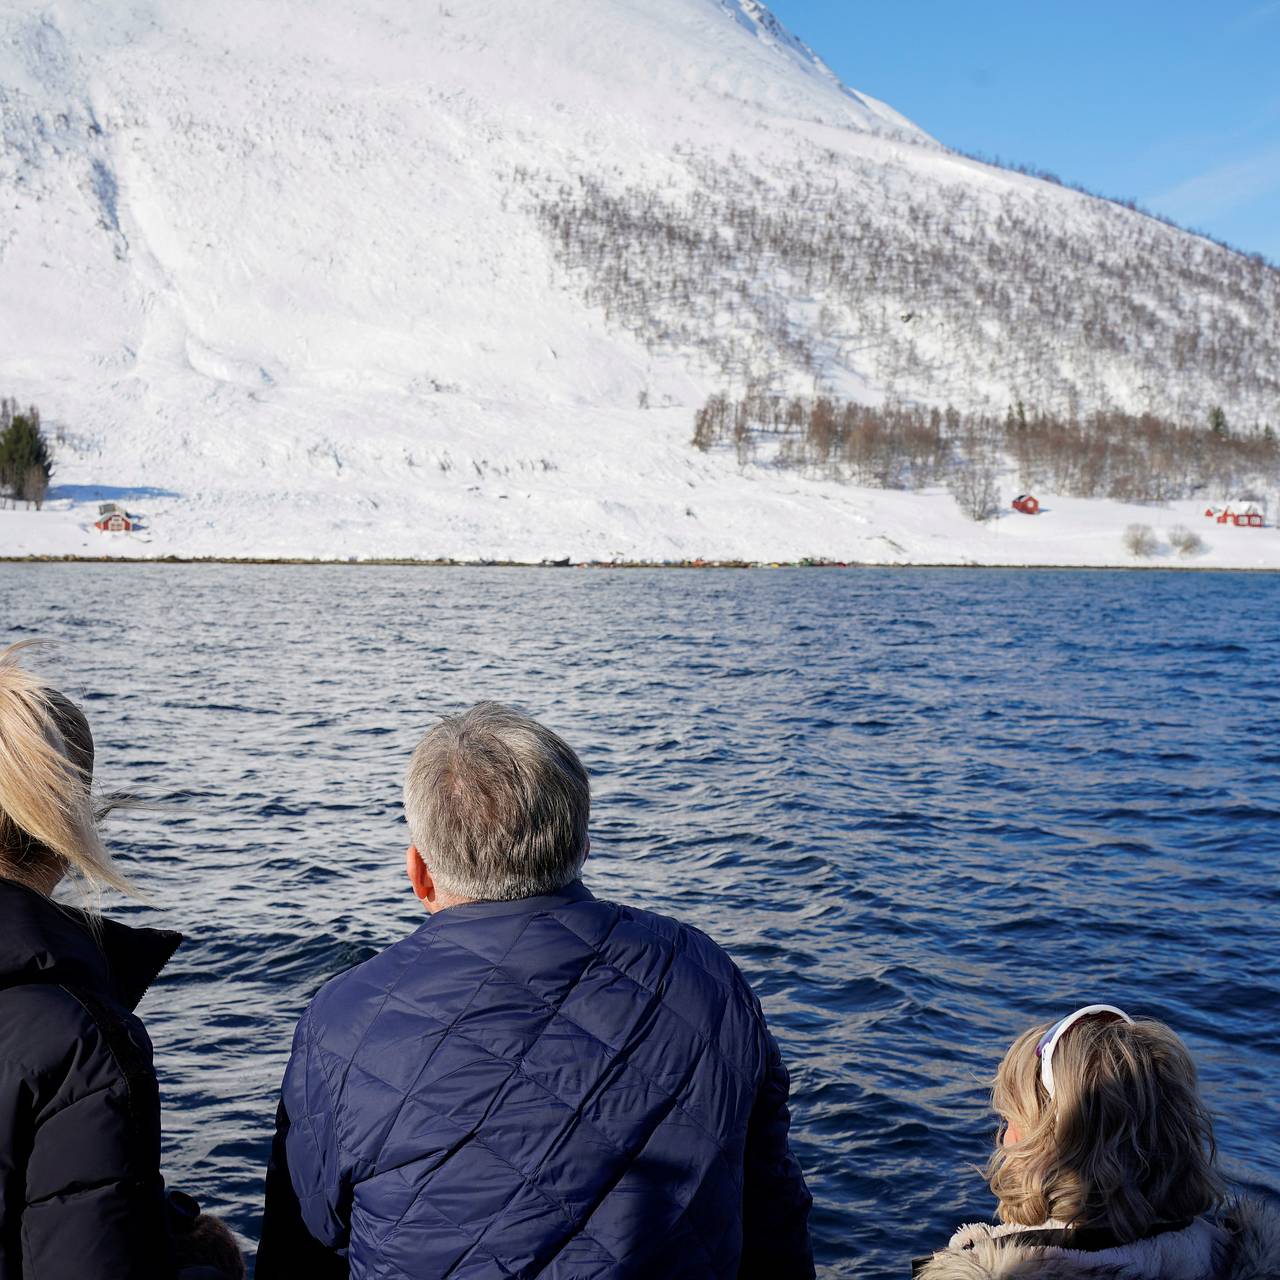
(454,478)
(727,566)
(695,511)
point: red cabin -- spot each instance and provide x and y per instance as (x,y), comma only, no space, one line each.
(1027,504)
(1249,517)
(113,518)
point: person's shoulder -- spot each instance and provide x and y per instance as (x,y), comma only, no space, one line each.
(976,1252)
(355,994)
(30,1010)
(983,1251)
(681,939)
(1252,1228)
(49,1030)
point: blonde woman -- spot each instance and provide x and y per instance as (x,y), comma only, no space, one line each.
(1106,1166)
(81,1196)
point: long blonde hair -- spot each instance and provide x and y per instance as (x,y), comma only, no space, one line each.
(1124,1143)
(47,818)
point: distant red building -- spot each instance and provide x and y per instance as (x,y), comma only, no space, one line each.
(113,518)
(1248,517)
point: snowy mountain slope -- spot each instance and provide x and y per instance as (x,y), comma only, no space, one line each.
(285,272)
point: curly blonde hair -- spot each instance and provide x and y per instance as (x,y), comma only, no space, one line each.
(48,823)
(1125,1142)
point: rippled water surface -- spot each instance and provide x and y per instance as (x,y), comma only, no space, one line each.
(922,809)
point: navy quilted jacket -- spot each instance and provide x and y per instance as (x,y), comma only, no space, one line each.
(557,1087)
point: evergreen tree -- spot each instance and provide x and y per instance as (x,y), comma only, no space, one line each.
(1217,421)
(23,452)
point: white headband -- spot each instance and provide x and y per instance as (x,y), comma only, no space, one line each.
(1049,1041)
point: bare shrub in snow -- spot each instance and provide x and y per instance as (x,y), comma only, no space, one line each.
(1140,540)
(1185,541)
(973,486)
(710,421)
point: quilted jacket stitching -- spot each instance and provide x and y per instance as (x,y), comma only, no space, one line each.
(406,968)
(678,951)
(526,1176)
(679,941)
(478,1240)
(705,1042)
(309,1117)
(683,1208)
(450,1028)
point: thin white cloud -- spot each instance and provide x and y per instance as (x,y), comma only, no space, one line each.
(1255,17)
(1225,187)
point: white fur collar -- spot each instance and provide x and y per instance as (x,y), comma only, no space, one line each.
(1244,1244)
(1190,1254)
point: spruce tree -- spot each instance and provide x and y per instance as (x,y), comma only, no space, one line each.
(23,451)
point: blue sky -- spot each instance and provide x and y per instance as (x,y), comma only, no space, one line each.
(1173,103)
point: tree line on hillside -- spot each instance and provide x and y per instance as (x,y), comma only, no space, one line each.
(1130,457)
(789,275)
(1124,202)
(25,461)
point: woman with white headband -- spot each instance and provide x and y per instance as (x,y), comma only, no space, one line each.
(1106,1166)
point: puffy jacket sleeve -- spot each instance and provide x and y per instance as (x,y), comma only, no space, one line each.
(775,1243)
(305,1222)
(93,1199)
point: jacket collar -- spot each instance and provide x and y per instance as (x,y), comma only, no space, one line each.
(45,941)
(1082,1239)
(1205,1250)
(574,892)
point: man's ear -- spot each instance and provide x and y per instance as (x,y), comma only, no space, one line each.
(419,877)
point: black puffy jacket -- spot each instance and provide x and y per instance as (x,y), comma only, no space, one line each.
(79,1106)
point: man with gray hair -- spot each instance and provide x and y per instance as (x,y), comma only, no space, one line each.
(535,1082)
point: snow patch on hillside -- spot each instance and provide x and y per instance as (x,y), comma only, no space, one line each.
(755,17)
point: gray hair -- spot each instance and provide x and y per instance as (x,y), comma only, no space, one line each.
(497,805)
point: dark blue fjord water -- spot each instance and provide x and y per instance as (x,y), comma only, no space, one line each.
(922,809)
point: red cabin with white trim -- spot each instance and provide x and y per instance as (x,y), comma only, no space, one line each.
(113,518)
(1247,517)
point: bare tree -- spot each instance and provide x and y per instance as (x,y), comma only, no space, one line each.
(34,486)
(1140,540)
(1185,541)
(974,488)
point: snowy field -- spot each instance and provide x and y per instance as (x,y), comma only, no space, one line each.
(493,482)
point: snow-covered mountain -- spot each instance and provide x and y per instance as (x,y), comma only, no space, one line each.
(449,278)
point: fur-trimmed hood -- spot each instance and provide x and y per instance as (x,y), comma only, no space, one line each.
(1243,1244)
